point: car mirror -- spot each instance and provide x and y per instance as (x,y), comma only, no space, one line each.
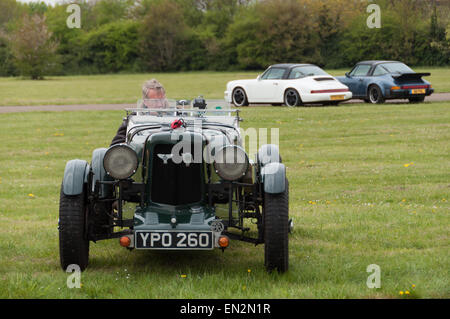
(258,77)
(347,75)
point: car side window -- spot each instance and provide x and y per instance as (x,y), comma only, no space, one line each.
(379,70)
(360,70)
(273,74)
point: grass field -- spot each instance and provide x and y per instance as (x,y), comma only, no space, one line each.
(368,185)
(120,88)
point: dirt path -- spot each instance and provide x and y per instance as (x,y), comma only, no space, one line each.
(437,97)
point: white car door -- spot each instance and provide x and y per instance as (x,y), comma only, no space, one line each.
(267,88)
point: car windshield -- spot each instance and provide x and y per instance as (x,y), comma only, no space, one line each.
(217,113)
(184,108)
(307,70)
(397,67)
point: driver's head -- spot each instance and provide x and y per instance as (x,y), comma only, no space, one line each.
(154,95)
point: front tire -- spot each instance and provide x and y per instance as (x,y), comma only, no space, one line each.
(375,95)
(292,98)
(73,244)
(276,230)
(239,97)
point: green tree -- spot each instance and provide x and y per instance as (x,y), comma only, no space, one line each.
(274,31)
(163,37)
(110,48)
(32,47)
(9,10)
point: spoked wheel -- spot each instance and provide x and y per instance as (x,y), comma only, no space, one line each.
(292,98)
(73,244)
(239,97)
(375,95)
(276,230)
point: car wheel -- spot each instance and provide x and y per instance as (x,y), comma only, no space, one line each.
(416,99)
(73,244)
(375,95)
(276,230)
(292,98)
(239,97)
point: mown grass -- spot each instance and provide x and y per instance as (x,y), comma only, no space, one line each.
(368,185)
(126,88)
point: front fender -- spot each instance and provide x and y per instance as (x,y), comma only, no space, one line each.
(75,176)
(273,176)
(99,171)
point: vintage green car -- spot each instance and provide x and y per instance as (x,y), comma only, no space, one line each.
(181,181)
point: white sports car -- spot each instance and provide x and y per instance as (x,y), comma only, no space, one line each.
(289,84)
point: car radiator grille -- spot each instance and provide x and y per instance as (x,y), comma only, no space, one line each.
(174,184)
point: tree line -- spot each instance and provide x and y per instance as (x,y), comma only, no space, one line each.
(181,35)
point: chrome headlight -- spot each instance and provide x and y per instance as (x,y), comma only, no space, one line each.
(231,162)
(120,161)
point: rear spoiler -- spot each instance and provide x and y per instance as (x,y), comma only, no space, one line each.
(410,76)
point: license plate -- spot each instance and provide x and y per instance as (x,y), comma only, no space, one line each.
(173,240)
(418,91)
(337,97)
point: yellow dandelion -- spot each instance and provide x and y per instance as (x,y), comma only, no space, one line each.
(414,286)
(403,200)
(183,276)
(406,292)
(249,270)
(31,195)
(444,200)
(401,293)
